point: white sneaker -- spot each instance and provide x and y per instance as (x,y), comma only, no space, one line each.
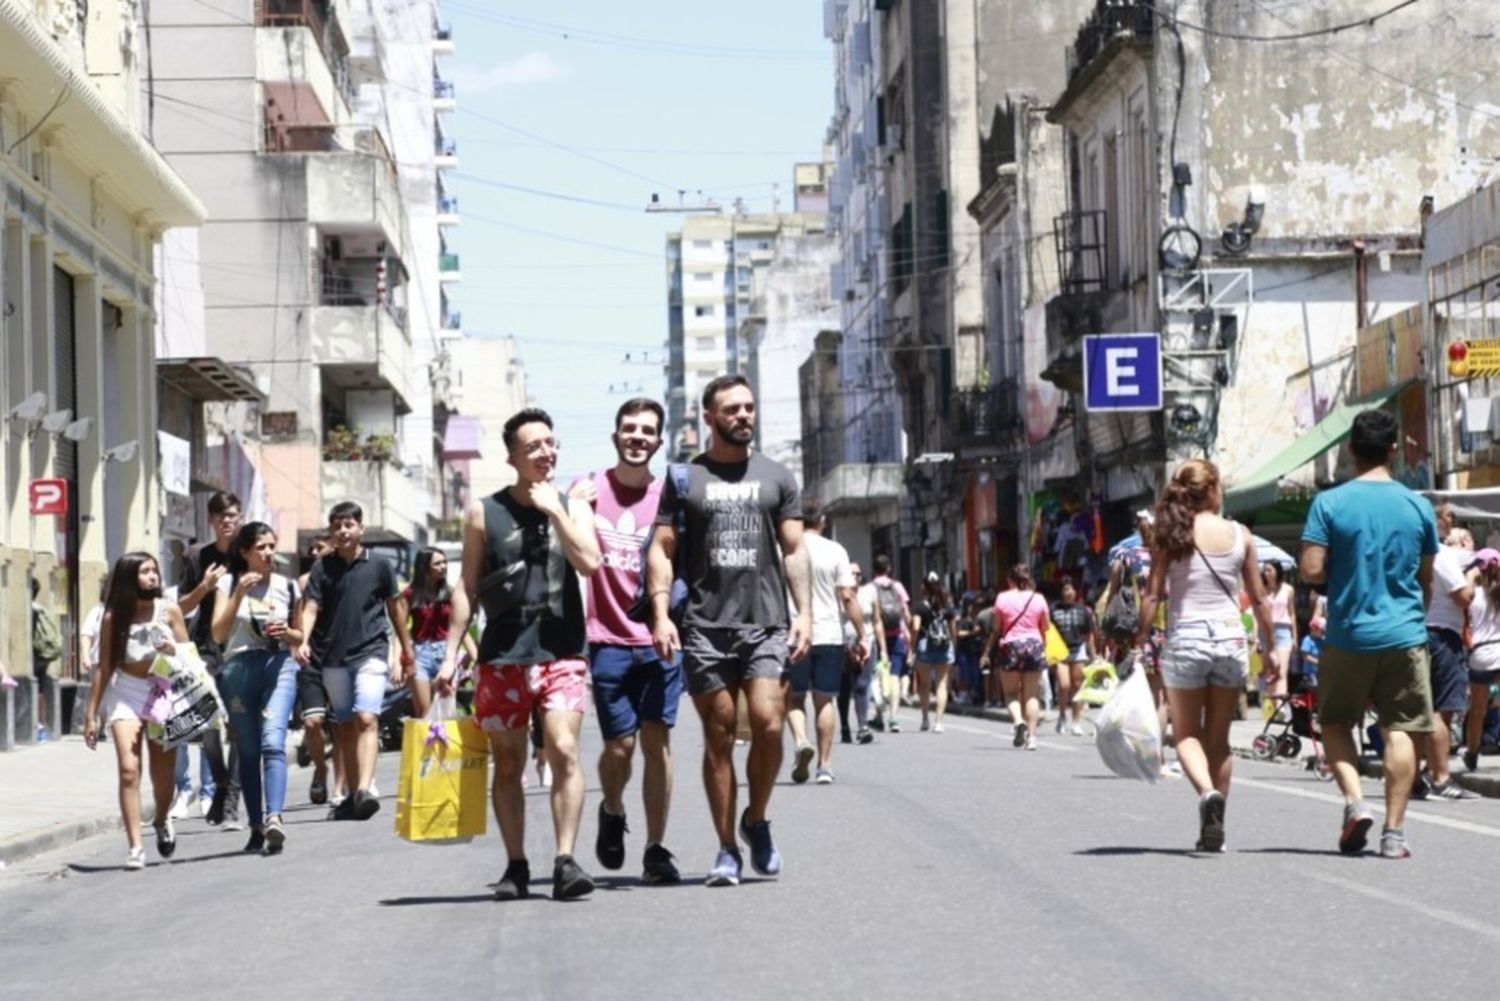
(1061,722)
(182,806)
(205,803)
(1075,730)
(372,790)
(135,860)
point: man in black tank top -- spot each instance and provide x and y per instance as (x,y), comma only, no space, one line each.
(529,544)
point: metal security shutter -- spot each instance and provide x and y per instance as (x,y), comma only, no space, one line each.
(65,373)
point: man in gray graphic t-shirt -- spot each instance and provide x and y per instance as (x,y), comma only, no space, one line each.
(742,546)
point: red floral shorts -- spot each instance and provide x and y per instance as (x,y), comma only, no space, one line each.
(505,694)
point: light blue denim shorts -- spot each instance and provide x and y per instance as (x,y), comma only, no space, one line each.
(355,688)
(1200,654)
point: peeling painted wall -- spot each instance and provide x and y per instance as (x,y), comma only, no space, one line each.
(1344,132)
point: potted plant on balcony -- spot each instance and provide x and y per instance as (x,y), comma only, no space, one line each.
(341,445)
(379,446)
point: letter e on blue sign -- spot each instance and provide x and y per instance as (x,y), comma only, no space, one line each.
(1122,372)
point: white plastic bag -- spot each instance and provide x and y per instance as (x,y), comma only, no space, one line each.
(1129,738)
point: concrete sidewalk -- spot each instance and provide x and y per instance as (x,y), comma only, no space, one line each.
(55,793)
(1242,734)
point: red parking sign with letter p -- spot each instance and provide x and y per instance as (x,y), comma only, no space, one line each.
(49,497)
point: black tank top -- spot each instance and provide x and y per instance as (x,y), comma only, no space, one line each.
(547,624)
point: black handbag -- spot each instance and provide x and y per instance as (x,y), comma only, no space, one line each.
(502,590)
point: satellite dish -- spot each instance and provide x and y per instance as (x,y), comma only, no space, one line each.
(123,452)
(54,422)
(79,429)
(31,408)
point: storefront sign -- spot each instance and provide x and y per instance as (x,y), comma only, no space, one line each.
(1473,359)
(49,497)
(175,464)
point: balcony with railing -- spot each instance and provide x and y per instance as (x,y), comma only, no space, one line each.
(445,150)
(442,39)
(989,416)
(444,94)
(447,210)
(448,266)
(283,54)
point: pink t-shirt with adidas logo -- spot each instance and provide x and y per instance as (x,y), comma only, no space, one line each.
(623,517)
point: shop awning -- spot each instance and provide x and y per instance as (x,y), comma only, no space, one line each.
(1260,489)
(461,439)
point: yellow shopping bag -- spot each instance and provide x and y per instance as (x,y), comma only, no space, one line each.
(443,792)
(1057,649)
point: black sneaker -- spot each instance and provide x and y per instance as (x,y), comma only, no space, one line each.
(846,737)
(257,843)
(516,883)
(365,805)
(865,737)
(215,815)
(1471,760)
(344,810)
(877,724)
(1211,822)
(610,845)
(658,868)
(166,839)
(569,881)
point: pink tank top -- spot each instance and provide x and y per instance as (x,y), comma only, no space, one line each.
(622,518)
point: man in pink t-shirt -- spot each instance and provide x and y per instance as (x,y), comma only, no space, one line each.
(635,691)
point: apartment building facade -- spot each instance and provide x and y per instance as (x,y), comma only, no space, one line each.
(86,200)
(312,129)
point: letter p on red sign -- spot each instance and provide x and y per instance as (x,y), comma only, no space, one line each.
(49,497)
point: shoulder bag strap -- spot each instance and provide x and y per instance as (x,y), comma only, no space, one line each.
(1232,596)
(1017,620)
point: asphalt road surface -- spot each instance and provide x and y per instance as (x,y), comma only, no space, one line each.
(938,865)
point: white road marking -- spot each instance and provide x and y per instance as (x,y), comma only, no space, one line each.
(1427,910)
(1427,818)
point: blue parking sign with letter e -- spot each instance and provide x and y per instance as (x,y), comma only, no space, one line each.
(1122,372)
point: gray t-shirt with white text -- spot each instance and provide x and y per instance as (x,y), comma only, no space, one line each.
(734,571)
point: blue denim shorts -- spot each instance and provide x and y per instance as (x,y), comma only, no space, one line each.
(632,684)
(1203,654)
(822,671)
(429,657)
(355,688)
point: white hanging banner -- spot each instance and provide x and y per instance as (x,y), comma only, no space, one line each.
(175,463)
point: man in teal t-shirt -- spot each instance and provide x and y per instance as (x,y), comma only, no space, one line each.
(1372,541)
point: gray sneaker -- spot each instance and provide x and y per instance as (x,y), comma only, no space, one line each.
(1358,819)
(1393,845)
(1451,790)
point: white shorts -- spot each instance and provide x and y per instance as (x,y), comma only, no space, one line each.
(127,698)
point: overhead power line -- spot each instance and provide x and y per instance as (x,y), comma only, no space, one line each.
(1363,22)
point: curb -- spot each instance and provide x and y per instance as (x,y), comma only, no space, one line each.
(23,847)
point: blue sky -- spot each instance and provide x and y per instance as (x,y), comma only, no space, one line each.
(722,97)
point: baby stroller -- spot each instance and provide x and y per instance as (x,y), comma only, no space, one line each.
(1295,717)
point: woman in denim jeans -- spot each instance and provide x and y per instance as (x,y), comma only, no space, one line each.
(1201,562)
(430,601)
(253,625)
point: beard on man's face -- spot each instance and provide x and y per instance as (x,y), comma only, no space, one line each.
(734,432)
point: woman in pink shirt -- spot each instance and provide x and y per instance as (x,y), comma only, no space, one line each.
(1020,628)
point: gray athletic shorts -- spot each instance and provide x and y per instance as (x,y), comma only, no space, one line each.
(718,658)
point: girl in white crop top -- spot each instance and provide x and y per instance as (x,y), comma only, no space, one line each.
(1207,561)
(138,625)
